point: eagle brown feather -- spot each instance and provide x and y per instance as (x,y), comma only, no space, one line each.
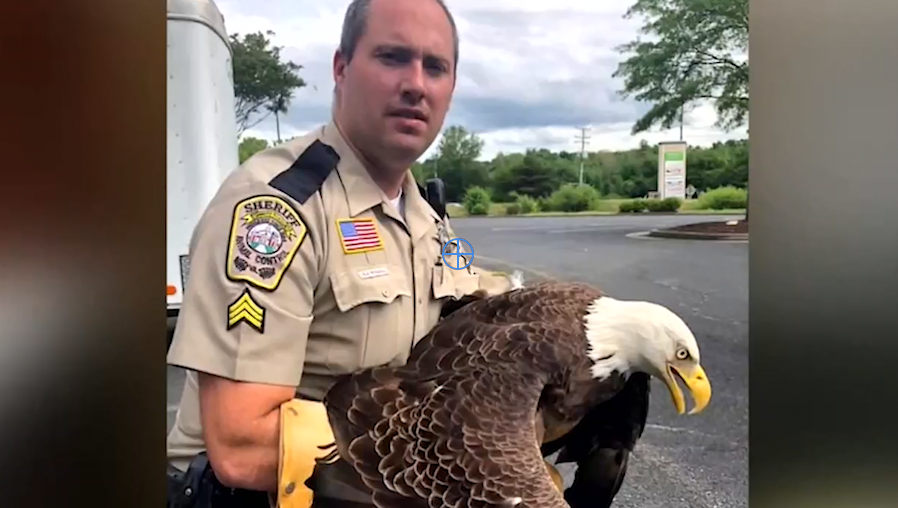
(456,425)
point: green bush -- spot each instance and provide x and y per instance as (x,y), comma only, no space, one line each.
(663,205)
(479,209)
(512,209)
(650,205)
(477,201)
(574,198)
(723,198)
(634,206)
(525,203)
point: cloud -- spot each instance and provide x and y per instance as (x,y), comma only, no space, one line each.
(529,76)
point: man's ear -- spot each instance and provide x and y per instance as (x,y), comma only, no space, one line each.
(339,67)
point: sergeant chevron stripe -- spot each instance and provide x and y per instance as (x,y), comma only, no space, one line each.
(245,309)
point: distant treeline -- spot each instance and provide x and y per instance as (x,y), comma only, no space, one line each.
(539,173)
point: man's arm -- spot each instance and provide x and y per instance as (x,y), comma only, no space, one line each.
(243,327)
(241,421)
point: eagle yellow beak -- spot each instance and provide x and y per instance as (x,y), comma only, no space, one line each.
(696,381)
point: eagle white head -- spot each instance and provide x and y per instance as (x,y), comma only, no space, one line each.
(643,336)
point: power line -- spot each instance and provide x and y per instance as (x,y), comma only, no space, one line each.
(583,138)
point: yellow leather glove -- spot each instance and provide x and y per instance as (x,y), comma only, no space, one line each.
(304,429)
(494,283)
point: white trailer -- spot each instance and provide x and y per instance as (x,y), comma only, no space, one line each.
(202,132)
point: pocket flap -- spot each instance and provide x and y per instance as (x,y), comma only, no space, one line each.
(377,283)
(443,283)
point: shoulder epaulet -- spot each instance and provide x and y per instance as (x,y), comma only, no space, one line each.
(306,175)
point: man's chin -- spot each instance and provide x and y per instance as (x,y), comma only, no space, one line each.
(410,145)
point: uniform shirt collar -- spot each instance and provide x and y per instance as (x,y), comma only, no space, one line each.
(356,180)
(358,183)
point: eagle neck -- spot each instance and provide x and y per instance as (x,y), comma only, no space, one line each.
(611,337)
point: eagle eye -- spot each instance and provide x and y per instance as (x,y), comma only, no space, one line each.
(682,354)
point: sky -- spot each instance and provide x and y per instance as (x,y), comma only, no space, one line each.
(530,72)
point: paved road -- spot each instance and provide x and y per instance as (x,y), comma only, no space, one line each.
(683,461)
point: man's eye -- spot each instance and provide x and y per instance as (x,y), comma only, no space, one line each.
(435,67)
(393,57)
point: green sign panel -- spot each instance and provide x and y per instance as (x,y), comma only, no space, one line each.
(674,156)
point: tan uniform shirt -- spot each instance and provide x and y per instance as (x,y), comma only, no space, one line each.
(302,270)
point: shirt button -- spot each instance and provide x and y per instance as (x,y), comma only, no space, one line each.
(386,292)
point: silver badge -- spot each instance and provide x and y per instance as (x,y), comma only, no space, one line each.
(443,238)
(443,233)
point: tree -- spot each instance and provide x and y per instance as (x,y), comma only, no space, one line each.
(701,53)
(459,144)
(278,106)
(456,162)
(250,146)
(263,83)
(538,174)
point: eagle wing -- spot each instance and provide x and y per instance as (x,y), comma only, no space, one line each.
(457,424)
(471,441)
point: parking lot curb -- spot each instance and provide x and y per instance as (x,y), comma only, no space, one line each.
(684,235)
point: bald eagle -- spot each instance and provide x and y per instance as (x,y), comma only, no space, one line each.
(504,381)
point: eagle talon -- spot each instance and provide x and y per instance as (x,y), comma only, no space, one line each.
(557,479)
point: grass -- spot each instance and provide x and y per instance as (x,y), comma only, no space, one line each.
(604,207)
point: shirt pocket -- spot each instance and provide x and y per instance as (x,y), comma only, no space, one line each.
(376,323)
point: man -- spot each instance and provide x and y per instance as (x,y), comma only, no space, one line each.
(315,259)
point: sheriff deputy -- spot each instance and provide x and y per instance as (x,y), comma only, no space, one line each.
(315,259)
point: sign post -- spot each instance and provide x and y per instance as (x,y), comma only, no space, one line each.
(672,169)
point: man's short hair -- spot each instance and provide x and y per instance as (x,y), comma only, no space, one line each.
(356,19)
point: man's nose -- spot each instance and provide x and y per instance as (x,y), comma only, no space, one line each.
(413,82)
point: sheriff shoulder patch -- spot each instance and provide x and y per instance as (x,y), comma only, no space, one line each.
(266,232)
(359,235)
(246,310)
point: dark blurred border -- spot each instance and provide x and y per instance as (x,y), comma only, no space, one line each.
(824,253)
(82,254)
(82,376)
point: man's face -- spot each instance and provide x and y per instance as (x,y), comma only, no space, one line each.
(396,90)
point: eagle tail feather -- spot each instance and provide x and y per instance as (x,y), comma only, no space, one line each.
(599,478)
(602,458)
(517,280)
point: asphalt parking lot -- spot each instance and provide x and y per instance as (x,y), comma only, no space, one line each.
(682,461)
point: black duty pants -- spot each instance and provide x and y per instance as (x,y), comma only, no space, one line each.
(199,488)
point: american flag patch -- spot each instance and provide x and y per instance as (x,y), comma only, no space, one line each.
(359,235)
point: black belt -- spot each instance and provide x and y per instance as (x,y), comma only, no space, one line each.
(199,488)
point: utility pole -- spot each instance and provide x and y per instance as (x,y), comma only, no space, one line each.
(681,122)
(583,138)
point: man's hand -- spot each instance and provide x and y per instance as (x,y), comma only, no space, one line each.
(242,431)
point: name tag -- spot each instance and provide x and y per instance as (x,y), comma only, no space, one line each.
(370,273)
